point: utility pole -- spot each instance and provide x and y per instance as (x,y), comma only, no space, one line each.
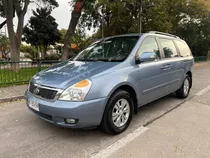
(102,26)
(102,21)
(141,12)
(140,16)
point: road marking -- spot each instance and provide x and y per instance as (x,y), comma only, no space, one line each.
(120,143)
(203,91)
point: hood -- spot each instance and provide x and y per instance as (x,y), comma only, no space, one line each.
(68,73)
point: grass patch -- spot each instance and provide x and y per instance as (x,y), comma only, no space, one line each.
(23,76)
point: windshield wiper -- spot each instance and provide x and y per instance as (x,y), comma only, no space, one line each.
(100,59)
(111,60)
(86,60)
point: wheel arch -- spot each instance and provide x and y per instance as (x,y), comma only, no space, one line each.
(128,88)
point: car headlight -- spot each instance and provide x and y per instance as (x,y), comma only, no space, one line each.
(76,92)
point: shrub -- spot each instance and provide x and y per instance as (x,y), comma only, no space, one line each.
(30,51)
(52,57)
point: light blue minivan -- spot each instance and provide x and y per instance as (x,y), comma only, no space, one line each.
(106,83)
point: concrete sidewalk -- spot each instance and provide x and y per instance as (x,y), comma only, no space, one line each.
(183,132)
(201,64)
(13,93)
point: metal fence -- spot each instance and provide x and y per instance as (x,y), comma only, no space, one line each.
(13,73)
(200,58)
(27,69)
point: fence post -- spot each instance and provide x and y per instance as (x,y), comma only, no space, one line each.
(39,65)
(208,56)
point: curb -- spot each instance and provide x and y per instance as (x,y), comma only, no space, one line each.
(201,64)
(6,100)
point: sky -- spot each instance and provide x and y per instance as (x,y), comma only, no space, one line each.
(62,14)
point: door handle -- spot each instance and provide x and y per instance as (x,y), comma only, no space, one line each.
(166,67)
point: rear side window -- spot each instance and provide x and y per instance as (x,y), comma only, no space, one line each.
(169,48)
(183,48)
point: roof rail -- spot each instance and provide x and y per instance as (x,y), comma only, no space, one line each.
(162,33)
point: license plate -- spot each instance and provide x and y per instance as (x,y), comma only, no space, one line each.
(33,104)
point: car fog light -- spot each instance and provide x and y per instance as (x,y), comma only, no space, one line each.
(70,121)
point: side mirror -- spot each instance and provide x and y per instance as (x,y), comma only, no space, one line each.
(146,56)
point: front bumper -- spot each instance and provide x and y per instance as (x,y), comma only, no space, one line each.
(88,113)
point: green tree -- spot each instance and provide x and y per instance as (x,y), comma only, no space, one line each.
(62,35)
(30,51)
(79,40)
(122,16)
(42,29)
(4,42)
(116,17)
(78,7)
(11,8)
(197,34)
(187,19)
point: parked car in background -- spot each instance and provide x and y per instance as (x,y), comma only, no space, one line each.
(106,83)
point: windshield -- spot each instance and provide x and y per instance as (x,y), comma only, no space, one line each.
(112,49)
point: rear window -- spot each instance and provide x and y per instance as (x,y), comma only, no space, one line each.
(183,48)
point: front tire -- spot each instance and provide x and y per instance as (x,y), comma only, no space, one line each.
(118,113)
(184,91)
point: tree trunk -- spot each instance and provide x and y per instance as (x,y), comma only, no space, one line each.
(15,57)
(75,15)
(208,56)
(10,6)
(3,23)
(15,41)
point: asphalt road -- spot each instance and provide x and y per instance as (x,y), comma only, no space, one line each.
(22,134)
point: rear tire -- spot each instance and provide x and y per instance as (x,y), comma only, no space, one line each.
(118,113)
(183,92)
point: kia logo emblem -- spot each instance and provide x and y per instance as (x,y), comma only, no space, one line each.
(36,90)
